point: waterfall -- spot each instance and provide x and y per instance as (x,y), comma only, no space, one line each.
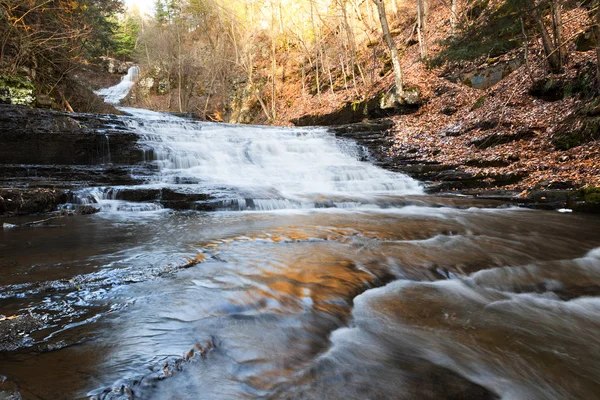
(115,94)
(261,167)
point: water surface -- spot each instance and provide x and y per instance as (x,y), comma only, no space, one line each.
(321,277)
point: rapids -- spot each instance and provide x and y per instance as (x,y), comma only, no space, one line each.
(320,276)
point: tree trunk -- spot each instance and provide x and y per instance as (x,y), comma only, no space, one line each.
(557,27)
(549,49)
(387,37)
(179,77)
(453,17)
(422,26)
(595,19)
(273,63)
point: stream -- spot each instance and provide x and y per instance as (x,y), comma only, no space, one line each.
(319,276)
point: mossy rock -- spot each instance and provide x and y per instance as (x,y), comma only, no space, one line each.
(587,200)
(16,90)
(576,133)
(585,41)
(579,128)
(552,89)
(591,194)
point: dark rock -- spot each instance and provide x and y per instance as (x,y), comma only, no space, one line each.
(30,201)
(496,139)
(443,89)
(586,41)
(549,199)
(581,127)
(449,110)
(13,331)
(480,163)
(71,176)
(357,129)
(353,112)
(43,101)
(31,136)
(86,210)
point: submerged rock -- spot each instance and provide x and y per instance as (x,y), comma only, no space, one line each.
(15,330)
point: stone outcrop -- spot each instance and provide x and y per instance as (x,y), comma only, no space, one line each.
(380,106)
(114,66)
(452,178)
(30,201)
(32,136)
(44,154)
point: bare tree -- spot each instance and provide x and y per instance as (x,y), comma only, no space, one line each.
(554,49)
(387,37)
(422,26)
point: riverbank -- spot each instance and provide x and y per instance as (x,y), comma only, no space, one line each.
(53,153)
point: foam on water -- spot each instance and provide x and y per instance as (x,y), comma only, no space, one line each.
(275,167)
(115,94)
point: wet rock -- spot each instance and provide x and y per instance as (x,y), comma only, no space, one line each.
(168,197)
(15,330)
(86,210)
(549,199)
(71,176)
(32,136)
(586,200)
(9,390)
(30,201)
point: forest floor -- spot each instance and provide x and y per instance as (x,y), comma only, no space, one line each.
(510,136)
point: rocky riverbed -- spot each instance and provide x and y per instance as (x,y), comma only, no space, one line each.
(45,155)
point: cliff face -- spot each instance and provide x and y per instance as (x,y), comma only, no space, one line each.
(44,154)
(33,136)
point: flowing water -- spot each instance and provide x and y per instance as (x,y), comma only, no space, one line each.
(319,276)
(115,94)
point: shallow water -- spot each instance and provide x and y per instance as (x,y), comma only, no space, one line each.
(383,294)
(285,304)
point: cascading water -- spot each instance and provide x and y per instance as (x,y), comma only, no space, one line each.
(478,302)
(261,168)
(115,94)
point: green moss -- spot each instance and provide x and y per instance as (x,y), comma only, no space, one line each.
(487,31)
(16,82)
(568,137)
(590,194)
(593,197)
(356,104)
(479,103)
(16,90)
